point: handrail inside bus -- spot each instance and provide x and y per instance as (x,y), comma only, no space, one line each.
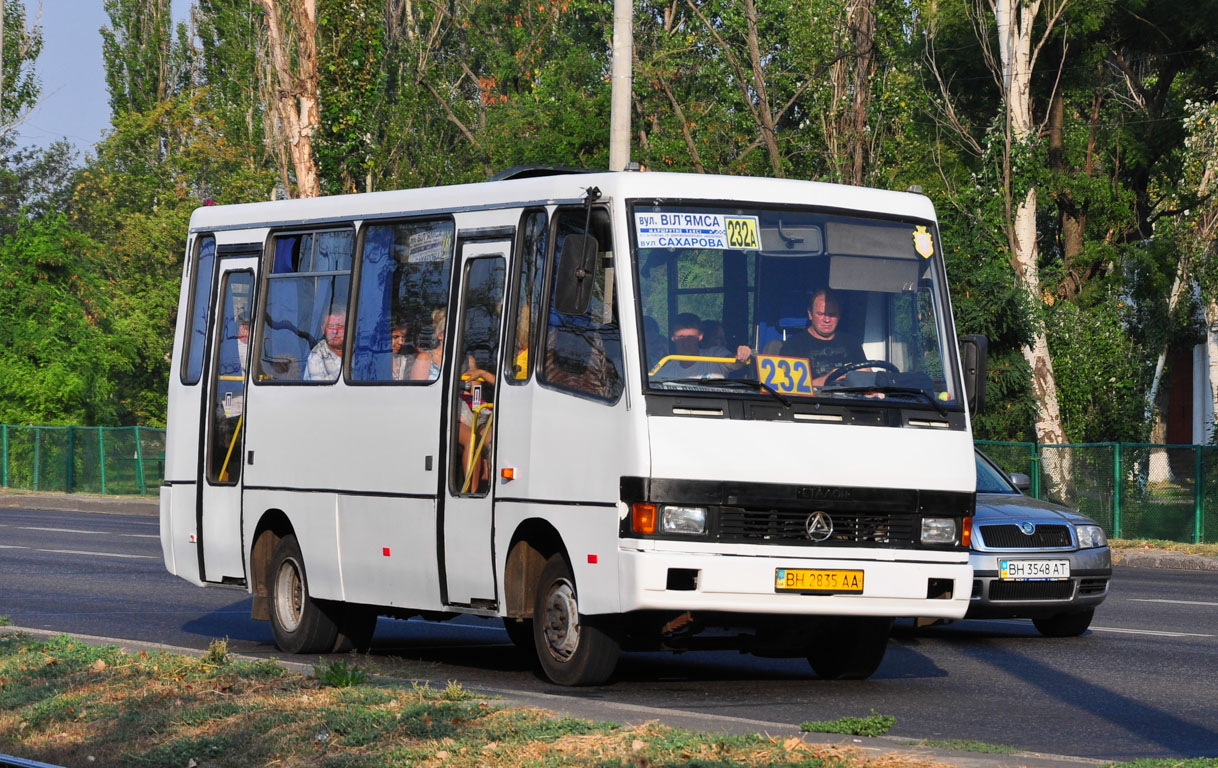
(475,453)
(223,476)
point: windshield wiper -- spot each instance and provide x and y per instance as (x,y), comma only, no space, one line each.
(751,384)
(892,389)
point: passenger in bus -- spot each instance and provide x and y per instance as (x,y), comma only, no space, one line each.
(326,358)
(687,341)
(520,362)
(657,344)
(427,363)
(401,362)
(823,347)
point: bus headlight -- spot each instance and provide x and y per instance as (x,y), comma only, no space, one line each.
(1090,536)
(687,520)
(938,530)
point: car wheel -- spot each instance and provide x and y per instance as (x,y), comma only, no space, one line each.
(298,622)
(1065,624)
(572,649)
(849,647)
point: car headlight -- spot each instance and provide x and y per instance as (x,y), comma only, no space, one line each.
(687,520)
(938,530)
(1090,536)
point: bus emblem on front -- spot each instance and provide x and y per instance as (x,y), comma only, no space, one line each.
(819,526)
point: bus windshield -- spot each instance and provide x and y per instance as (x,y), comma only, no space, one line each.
(793,302)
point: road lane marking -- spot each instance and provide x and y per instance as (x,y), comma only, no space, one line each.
(96,533)
(1155,632)
(1175,602)
(99,554)
(11,546)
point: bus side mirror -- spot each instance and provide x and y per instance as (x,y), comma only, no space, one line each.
(974,351)
(576,273)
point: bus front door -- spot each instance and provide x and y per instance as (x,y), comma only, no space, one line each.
(223,421)
(467,526)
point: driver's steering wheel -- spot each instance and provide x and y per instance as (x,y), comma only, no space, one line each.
(841,371)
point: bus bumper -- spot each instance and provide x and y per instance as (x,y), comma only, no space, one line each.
(924,584)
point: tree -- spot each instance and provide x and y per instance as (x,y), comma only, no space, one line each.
(19,49)
(136,49)
(294,78)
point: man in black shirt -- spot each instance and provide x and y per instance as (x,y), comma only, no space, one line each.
(824,348)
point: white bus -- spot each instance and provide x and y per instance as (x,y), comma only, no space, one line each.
(615,410)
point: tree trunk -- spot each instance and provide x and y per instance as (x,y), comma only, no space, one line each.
(296,92)
(862,26)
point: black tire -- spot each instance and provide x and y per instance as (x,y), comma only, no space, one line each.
(299,623)
(520,632)
(1065,624)
(355,628)
(572,649)
(849,647)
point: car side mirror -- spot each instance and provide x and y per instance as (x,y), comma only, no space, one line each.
(974,352)
(1022,482)
(576,273)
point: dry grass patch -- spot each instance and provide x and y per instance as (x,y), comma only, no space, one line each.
(72,704)
(1210,550)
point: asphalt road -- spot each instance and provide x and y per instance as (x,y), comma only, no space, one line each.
(1142,683)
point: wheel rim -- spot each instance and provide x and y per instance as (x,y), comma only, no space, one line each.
(560,625)
(289,595)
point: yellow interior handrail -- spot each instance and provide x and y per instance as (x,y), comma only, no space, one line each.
(692,358)
(475,452)
(233,444)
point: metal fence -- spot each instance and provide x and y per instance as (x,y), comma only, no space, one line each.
(1134,490)
(106,460)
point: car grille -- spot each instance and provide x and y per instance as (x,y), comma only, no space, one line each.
(790,526)
(1092,586)
(1031,590)
(1008,536)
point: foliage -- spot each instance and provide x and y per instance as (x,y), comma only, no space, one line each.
(351,52)
(340,674)
(872,725)
(136,51)
(35,182)
(59,346)
(19,87)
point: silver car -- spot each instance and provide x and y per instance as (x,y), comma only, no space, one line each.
(1032,559)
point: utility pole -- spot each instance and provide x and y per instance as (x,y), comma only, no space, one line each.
(619,112)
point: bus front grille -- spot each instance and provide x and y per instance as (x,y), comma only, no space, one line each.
(774,526)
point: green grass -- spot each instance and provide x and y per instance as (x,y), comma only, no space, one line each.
(68,703)
(340,674)
(968,745)
(872,725)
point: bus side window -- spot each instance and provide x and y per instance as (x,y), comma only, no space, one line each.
(307,288)
(584,352)
(522,333)
(200,300)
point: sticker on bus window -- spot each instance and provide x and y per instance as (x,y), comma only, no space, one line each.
(924,244)
(428,245)
(785,375)
(696,231)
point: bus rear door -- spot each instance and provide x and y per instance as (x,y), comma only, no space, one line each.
(467,529)
(223,424)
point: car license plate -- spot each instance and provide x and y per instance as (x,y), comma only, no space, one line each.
(1033,570)
(817,580)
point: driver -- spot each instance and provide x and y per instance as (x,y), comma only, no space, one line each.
(687,340)
(825,349)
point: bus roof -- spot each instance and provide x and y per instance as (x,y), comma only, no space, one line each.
(565,188)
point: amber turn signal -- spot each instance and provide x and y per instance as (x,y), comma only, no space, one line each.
(643,518)
(966,532)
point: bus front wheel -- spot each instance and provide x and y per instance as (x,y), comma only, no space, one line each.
(849,647)
(298,622)
(572,649)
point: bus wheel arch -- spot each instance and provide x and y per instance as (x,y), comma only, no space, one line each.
(533,543)
(271,528)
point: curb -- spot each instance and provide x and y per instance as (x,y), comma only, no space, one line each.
(71,502)
(1163,558)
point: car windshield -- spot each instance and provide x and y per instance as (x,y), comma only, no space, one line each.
(990,479)
(810,304)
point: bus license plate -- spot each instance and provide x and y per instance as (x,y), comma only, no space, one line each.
(1033,570)
(817,580)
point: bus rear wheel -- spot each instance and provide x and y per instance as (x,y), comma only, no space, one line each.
(298,622)
(849,647)
(572,649)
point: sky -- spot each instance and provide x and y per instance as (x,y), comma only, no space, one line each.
(74,103)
